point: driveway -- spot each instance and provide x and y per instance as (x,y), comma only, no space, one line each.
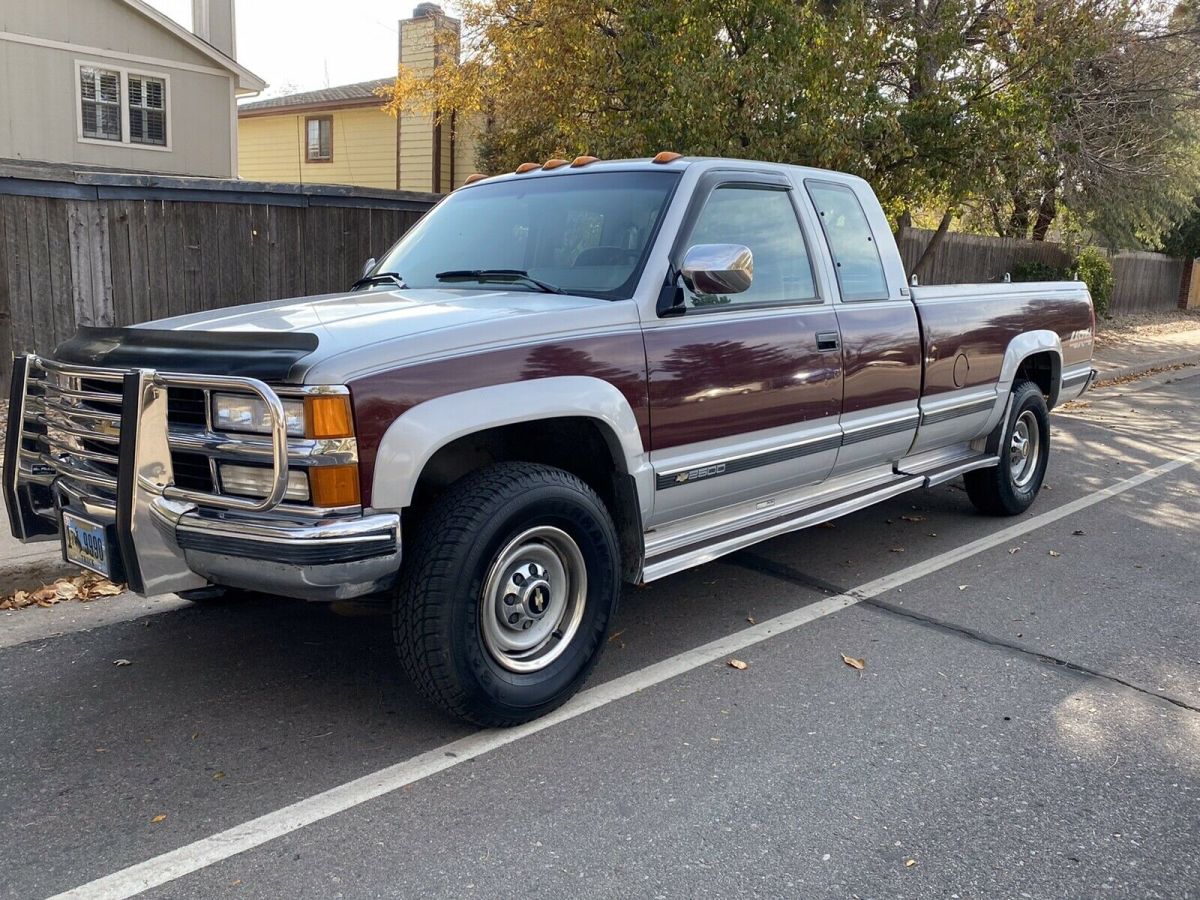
(1026,724)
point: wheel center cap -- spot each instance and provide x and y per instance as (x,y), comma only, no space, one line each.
(536,598)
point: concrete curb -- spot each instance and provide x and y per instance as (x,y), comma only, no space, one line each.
(1114,371)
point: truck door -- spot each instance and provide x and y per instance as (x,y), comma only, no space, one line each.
(746,388)
(881,336)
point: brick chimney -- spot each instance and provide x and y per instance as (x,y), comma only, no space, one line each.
(214,21)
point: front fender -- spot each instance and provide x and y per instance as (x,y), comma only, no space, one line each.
(414,437)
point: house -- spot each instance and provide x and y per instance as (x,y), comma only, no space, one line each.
(343,135)
(117,84)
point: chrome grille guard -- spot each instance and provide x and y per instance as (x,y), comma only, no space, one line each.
(63,430)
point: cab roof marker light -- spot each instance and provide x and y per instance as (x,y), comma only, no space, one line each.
(553,163)
(582,161)
(527,167)
(666,156)
(471,179)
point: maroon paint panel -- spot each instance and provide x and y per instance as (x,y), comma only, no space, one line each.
(381,398)
(715,376)
(981,330)
(881,353)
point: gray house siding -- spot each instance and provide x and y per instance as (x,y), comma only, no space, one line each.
(40,47)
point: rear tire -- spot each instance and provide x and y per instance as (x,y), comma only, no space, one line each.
(1008,489)
(507,593)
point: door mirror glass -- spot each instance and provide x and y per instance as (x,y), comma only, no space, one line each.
(368,266)
(714,269)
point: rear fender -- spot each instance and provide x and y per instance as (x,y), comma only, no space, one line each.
(1020,349)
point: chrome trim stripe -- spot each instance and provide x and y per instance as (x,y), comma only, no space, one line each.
(962,409)
(1074,377)
(881,430)
(301,451)
(730,465)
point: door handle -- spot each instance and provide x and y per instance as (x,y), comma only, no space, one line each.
(827,340)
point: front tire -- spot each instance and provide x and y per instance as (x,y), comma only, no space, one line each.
(507,594)
(1009,488)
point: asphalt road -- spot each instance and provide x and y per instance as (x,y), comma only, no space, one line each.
(1027,724)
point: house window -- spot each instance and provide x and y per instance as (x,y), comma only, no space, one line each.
(123,106)
(100,103)
(147,110)
(320,138)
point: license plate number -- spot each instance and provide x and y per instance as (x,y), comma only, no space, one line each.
(86,544)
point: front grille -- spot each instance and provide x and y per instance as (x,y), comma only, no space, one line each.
(186,407)
(192,471)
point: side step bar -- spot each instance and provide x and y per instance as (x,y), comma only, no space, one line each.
(680,558)
(697,554)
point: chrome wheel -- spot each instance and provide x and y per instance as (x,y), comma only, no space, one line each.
(533,599)
(1023,449)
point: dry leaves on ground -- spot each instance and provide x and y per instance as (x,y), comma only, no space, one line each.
(854,662)
(1055,554)
(78,587)
(737,664)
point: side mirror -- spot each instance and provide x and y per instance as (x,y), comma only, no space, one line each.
(367,267)
(718,268)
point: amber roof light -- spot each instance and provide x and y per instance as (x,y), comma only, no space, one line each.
(553,163)
(477,176)
(527,167)
(666,156)
(582,161)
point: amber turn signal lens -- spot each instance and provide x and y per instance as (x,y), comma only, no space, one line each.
(334,485)
(328,416)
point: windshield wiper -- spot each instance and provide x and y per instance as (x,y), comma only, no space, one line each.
(378,278)
(497,275)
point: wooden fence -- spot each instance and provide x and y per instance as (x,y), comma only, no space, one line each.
(95,248)
(1144,282)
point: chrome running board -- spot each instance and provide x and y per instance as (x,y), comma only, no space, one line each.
(676,560)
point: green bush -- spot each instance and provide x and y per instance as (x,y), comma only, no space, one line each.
(1096,272)
(1038,271)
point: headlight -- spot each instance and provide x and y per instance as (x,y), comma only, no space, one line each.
(255,481)
(247,412)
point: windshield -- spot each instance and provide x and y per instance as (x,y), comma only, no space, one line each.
(583,233)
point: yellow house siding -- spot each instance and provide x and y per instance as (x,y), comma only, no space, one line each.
(272,148)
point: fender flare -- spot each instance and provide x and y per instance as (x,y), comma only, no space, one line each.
(416,435)
(1024,346)
(1020,349)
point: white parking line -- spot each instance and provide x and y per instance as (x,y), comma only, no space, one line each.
(210,850)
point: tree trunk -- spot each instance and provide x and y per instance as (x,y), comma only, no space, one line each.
(1047,211)
(934,242)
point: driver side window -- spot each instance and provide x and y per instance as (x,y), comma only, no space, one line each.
(764,220)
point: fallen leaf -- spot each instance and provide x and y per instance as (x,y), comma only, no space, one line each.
(617,635)
(752,620)
(737,664)
(122,662)
(913,518)
(854,663)
(218,776)
(1079,532)
(1055,554)
(909,863)
(157,819)
(897,549)
(1012,550)
(963,587)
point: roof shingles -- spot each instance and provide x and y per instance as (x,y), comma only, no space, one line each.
(363,90)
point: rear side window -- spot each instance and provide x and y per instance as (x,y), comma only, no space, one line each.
(855,253)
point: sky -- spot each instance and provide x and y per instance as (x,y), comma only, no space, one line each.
(304,45)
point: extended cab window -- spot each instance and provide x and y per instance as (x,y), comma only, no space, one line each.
(763,220)
(855,254)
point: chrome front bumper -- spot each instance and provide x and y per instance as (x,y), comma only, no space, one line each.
(165,538)
(323,560)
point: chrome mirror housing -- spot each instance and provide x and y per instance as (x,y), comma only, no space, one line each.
(368,266)
(718,268)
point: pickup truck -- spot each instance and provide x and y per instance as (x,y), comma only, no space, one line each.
(563,378)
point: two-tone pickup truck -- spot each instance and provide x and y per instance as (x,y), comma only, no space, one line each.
(577,374)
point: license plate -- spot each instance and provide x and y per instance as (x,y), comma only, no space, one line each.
(86,544)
